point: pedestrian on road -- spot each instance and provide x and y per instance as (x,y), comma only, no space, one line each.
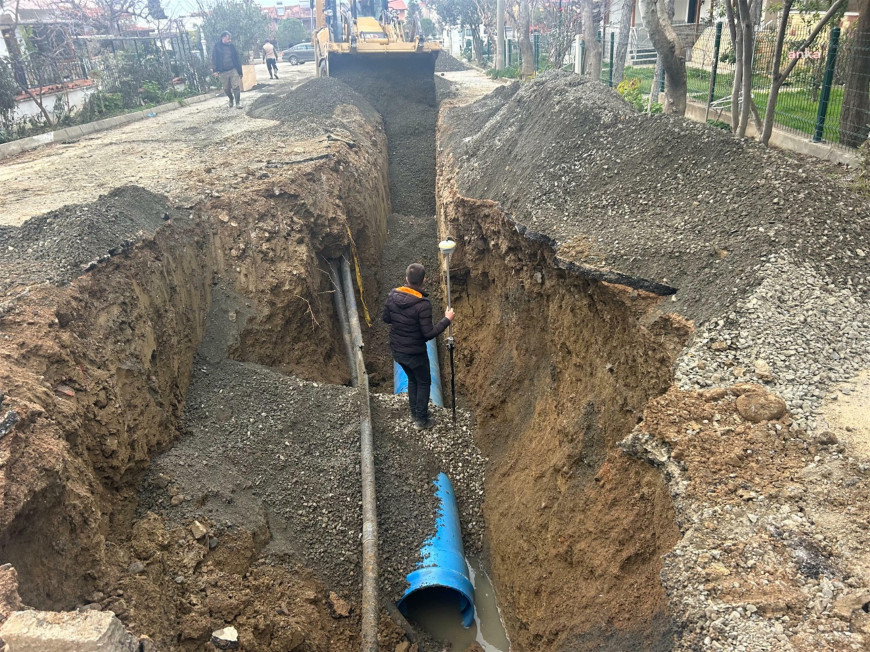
(271,58)
(409,313)
(227,65)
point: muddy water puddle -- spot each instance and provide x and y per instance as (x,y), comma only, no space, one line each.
(438,614)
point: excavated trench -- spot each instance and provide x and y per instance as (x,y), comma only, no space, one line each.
(196,377)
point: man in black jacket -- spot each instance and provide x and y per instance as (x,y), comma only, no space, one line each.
(409,314)
(227,65)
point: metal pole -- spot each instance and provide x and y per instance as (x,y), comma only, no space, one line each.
(715,67)
(499,35)
(370,605)
(610,68)
(826,84)
(447,248)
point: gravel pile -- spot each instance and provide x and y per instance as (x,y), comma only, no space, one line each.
(770,251)
(797,333)
(61,245)
(655,197)
(448,63)
(309,110)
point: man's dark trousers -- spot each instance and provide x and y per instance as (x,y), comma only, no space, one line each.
(416,367)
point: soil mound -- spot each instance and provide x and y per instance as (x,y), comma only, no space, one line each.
(306,105)
(60,245)
(448,63)
(656,197)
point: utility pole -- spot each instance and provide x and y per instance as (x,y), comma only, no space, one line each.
(499,36)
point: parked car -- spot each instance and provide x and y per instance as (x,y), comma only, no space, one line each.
(299,53)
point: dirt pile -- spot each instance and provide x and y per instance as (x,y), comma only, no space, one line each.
(61,245)
(448,63)
(310,107)
(773,548)
(655,197)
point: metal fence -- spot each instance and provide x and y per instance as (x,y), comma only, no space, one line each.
(810,102)
(118,74)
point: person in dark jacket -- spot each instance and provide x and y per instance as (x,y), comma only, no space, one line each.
(227,65)
(409,314)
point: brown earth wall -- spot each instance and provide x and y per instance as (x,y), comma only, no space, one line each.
(97,371)
(558,370)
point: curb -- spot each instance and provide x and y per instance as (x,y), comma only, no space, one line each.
(76,132)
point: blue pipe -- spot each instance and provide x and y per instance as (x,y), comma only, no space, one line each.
(400,379)
(443,562)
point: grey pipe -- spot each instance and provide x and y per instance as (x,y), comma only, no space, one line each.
(370,606)
(341,311)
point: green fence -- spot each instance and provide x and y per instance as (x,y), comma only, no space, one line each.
(810,102)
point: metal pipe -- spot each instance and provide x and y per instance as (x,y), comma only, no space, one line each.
(370,607)
(341,311)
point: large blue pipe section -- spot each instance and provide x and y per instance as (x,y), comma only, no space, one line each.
(400,379)
(443,562)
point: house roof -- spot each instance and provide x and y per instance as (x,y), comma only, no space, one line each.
(398,5)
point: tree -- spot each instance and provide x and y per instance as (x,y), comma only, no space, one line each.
(471,14)
(855,115)
(622,43)
(778,77)
(429,29)
(290,32)
(669,47)
(243,18)
(590,37)
(562,21)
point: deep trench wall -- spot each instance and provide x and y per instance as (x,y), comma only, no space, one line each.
(98,370)
(558,369)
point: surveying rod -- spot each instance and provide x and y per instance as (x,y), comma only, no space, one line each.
(447,248)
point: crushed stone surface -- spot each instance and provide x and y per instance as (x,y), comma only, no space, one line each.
(59,246)
(656,197)
(278,455)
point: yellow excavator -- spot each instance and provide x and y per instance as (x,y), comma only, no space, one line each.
(354,35)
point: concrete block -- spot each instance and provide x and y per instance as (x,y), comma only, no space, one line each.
(88,128)
(66,631)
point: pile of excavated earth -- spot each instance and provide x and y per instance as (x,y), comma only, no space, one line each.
(769,255)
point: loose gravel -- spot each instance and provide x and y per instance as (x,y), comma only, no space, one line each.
(279,456)
(770,251)
(448,63)
(63,244)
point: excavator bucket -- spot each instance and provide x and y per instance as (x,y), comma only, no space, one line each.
(377,76)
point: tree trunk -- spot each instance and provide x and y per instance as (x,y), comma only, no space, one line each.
(622,43)
(670,50)
(477,45)
(737,47)
(526,50)
(656,82)
(856,98)
(593,47)
(747,42)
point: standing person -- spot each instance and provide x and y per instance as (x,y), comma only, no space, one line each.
(227,65)
(271,58)
(409,313)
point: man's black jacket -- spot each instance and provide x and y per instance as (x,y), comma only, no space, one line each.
(225,57)
(409,314)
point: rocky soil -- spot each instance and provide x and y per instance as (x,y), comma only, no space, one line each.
(62,244)
(768,253)
(448,63)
